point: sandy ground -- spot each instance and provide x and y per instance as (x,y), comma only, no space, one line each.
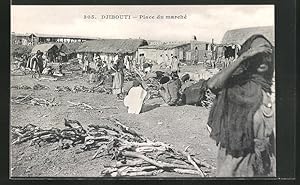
(180,126)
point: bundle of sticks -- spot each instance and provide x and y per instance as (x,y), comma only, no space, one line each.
(86,106)
(81,88)
(25,87)
(29,100)
(39,87)
(132,153)
(129,75)
(62,89)
(77,88)
(70,136)
(101,89)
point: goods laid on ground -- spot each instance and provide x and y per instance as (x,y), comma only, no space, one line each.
(80,88)
(131,153)
(62,89)
(25,87)
(35,87)
(89,107)
(29,100)
(39,87)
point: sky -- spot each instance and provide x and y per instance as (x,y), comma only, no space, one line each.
(203,21)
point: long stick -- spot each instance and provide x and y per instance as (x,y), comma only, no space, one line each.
(151,161)
(195,165)
(125,128)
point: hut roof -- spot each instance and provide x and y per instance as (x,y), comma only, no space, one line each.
(73,46)
(239,36)
(164,46)
(111,45)
(20,49)
(43,47)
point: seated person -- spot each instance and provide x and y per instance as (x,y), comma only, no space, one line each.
(169,90)
(135,98)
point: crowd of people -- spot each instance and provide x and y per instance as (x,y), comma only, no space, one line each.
(38,63)
(241,120)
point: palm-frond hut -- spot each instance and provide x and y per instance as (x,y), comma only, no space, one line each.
(233,39)
(107,49)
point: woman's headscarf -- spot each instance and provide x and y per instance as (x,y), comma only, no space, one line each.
(231,116)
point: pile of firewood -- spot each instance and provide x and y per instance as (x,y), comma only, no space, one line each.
(39,87)
(80,88)
(62,89)
(35,87)
(29,100)
(132,153)
(86,106)
(25,87)
(129,76)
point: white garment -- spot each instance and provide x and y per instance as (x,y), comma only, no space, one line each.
(134,100)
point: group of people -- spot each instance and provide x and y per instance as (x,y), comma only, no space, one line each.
(38,63)
(169,62)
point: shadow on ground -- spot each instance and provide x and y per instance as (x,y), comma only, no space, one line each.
(149,107)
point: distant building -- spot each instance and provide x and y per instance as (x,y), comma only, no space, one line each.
(159,42)
(22,39)
(153,52)
(200,51)
(193,51)
(46,38)
(36,38)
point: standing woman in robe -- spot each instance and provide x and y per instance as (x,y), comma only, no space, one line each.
(118,79)
(242,118)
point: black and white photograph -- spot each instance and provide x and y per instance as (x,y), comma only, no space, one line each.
(142,91)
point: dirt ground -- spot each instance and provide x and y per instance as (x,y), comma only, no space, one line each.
(180,126)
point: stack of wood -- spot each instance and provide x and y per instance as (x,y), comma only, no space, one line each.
(132,153)
(70,136)
(86,106)
(62,89)
(39,87)
(29,100)
(25,87)
(81,88)
(95,89)
(129,75)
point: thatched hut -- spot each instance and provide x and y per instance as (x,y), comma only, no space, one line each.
(51,50)
(112,46)
(239,36)
(72,47)
(19,50)
(107,49)
(233,39)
